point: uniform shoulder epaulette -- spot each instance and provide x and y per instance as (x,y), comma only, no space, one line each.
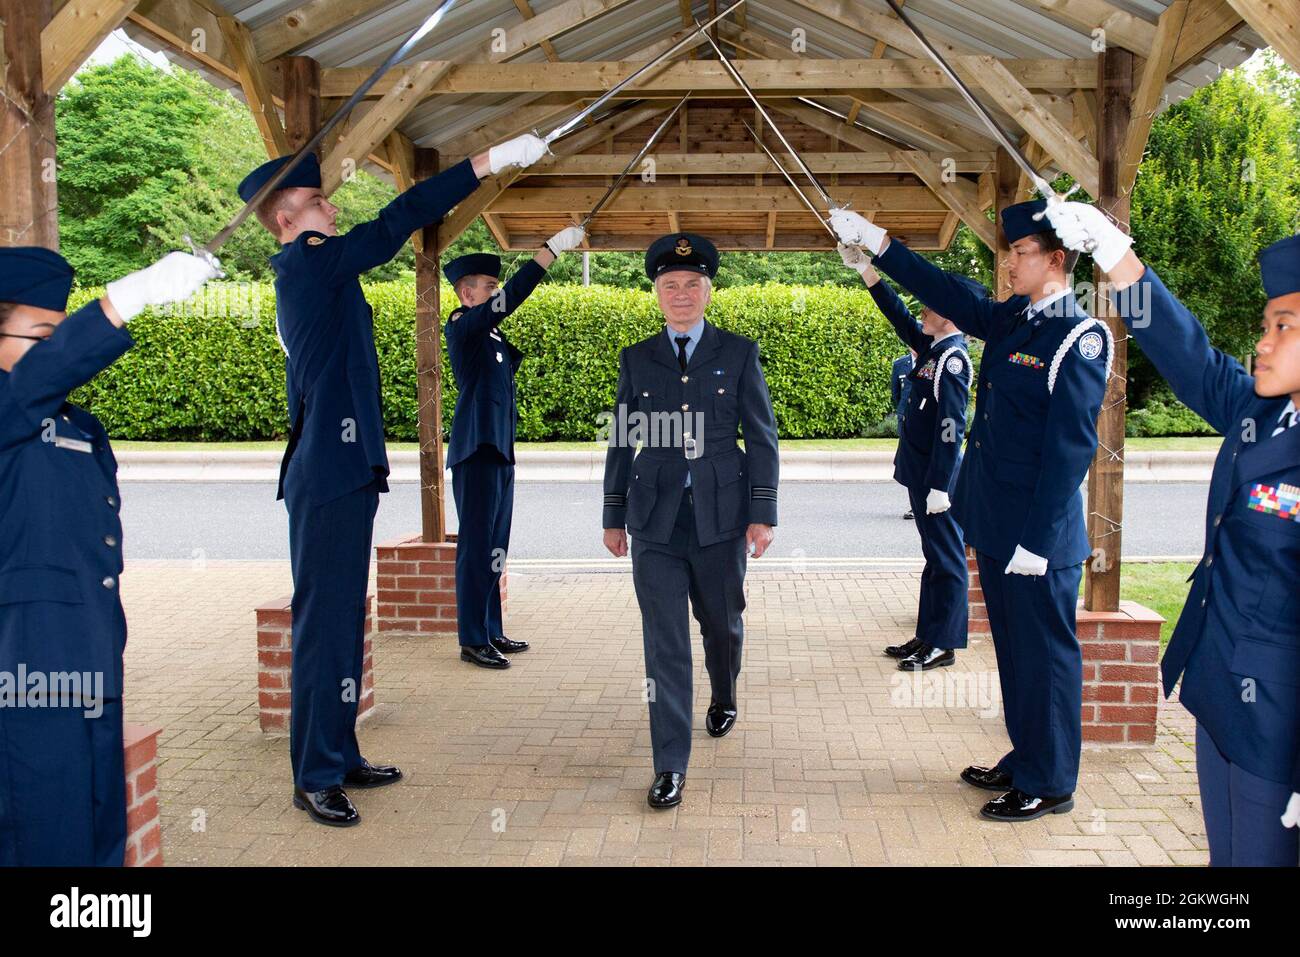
(953,361)
(456,313)
(1091,342)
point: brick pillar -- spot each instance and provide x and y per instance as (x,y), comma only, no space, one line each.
(143,832)
(417,585)
(275,660)
(1121,677)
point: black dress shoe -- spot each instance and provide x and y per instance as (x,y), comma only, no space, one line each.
(990,779)
(666,790)
(909,516)
(372,776)
(926,657)
(509,645)
(1016,805)
(903,650)
(719,720)
(485,656)
(331,806)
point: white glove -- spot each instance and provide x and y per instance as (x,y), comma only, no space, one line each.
(1026,563)
(856,230)
(1078,224)
(1291,817)
(937,501)
(570,237)
(521,151)
(853,257)
(174,278)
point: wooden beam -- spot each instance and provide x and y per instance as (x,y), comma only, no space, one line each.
(1146,101)
(1123,28)
(771,230)
(551,23)
(949,229)
(428,366)
(302,103)
(373,128)
(1006,193)
(29,204)
(1106,477)
(305,23)
(959,195)
(634,198)
(257,92)
(716,164)
(1278,22)
(1207,23)
(1016,100)
(76,30)
(1085,116)
(880,26)
(854,136)
(528,13)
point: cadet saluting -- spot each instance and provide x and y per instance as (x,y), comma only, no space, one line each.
(929,454)
(1043,375)
(692,500)
(1237,643)
(62,778)
(481,454)
(335,465)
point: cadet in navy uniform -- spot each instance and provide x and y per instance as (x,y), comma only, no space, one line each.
(900,385)
(481,454)
(1017,499)
(693,501)
(1237,642)
(926,464)
(62,777)
(335,465)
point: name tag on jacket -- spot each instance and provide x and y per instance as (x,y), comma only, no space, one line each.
(73,445)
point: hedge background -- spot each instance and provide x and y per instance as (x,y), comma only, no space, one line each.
(212,369)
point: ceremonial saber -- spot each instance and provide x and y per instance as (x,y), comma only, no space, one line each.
(571,124)
(793,185)
(654,138)
(208,250)
(1042,185)
(740,81)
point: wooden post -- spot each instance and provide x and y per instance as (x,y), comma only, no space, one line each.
(29,200)
(1106,477)
(301,100)
(428,366)
(1005,183)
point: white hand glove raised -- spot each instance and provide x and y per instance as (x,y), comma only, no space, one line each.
(853,257)
(1078,224)
(570,237)
(1025,562)
(856,230)
(937,501)
(1291,817)
(175,277)
(521,151)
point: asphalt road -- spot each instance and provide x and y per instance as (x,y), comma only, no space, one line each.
(820,522)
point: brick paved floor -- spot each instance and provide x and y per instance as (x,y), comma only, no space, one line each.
(836,759)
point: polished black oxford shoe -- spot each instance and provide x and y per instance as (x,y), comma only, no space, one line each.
(926,657)
(903,650)
(509,645)
(666,790)
(990,779)
(372,776)
(719,720)
(331,806)
(1016,805)
(485,656)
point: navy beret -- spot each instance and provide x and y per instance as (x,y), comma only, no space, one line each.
(35,276)
(1279,267)
(1018,220)
(306,173)
(475,264)
(681,251)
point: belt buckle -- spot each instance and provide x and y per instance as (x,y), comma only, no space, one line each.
(690,447)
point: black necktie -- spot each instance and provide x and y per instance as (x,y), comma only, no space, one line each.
(681,350)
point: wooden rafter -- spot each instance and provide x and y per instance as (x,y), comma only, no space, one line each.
(1146,101)
(526,11)
(74,33)
(1132,33)
(1207,23)
(551,23)
(959,195)
(1278,22)
(257,92)
(302,24)
(772,197)
(716,164)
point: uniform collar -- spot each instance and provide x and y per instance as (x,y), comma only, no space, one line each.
(953,339)
(1037,307)
(693,333)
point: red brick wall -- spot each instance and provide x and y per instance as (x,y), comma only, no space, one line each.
(417,586)
(143,832)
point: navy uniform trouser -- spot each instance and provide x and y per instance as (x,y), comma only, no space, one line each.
(1243,812)
(943,610)
(329,550)
(1040,669)
(484,488)
(712,579)
(62,787)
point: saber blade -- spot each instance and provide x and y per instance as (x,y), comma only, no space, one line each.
(790,179)
(649,144)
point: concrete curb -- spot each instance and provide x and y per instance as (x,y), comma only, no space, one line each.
(589,466)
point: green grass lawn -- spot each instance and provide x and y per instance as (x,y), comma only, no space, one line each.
(1176,443)
(1161,586)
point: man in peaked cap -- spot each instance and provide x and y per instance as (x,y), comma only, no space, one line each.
(481,454)
(1042,378)
(335,465)
(1237,643)
(927,464)
(694,502)
(62,778)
